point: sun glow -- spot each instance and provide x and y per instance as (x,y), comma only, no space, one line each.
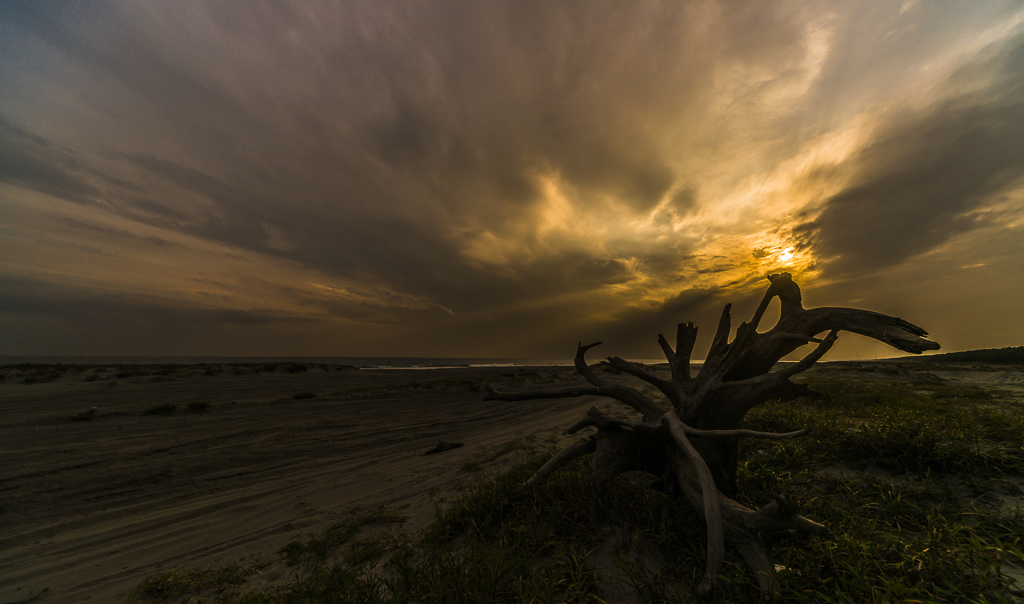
(781,255)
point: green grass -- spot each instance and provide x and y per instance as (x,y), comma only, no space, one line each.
(319,550)
(180,586)
(1010,355)
(914,480)
(898,427)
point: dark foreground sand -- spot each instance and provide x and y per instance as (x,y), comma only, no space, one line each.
(89,508)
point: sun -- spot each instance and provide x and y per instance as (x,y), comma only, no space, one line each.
(786,255)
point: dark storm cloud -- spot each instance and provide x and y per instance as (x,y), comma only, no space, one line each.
(496,109)
(495,160)
(463,104)
(105,40)
(190,180)
(685,200)
(117,237)
(30,161)
(238,215)
(919,183)
(40,317)
(26,297)
(635,331)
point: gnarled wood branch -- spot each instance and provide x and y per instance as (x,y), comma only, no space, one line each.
(696,441)
(630,396)
(672,390)
(679,359)
(748,433)
(712,510)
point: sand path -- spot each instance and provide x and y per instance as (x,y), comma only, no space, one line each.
(90,508)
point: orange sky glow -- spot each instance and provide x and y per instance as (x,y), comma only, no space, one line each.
(488,179)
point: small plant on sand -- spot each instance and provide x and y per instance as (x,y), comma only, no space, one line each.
(126,371)
(292,553)
(176,586)
(199,407)
(319,550)
(364,550)
(43,375)
(163,409)
(471,466)
(84,416)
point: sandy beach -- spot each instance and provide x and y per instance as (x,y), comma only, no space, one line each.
(93,506)
(242,460)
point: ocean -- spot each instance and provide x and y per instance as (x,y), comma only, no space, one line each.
(368,363)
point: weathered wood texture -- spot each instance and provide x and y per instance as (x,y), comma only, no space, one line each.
(693,445)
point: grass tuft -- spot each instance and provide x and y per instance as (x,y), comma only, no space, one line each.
(199,407)
(319,550)
(916,481)
(85,416)
(163,409)
(177,586)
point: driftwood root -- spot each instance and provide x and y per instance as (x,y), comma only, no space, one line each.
(693,444)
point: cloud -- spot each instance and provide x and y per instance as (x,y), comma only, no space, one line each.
(919,183)
(40,317)
(30,161)
(531,170)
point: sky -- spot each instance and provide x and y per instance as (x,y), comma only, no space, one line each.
(502,179)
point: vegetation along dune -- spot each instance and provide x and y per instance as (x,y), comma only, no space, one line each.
(272,483)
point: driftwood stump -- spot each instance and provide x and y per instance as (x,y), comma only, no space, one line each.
(693,445)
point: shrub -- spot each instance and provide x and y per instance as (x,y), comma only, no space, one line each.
(43,376)
(164,409)
(84,416)
(130,371)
